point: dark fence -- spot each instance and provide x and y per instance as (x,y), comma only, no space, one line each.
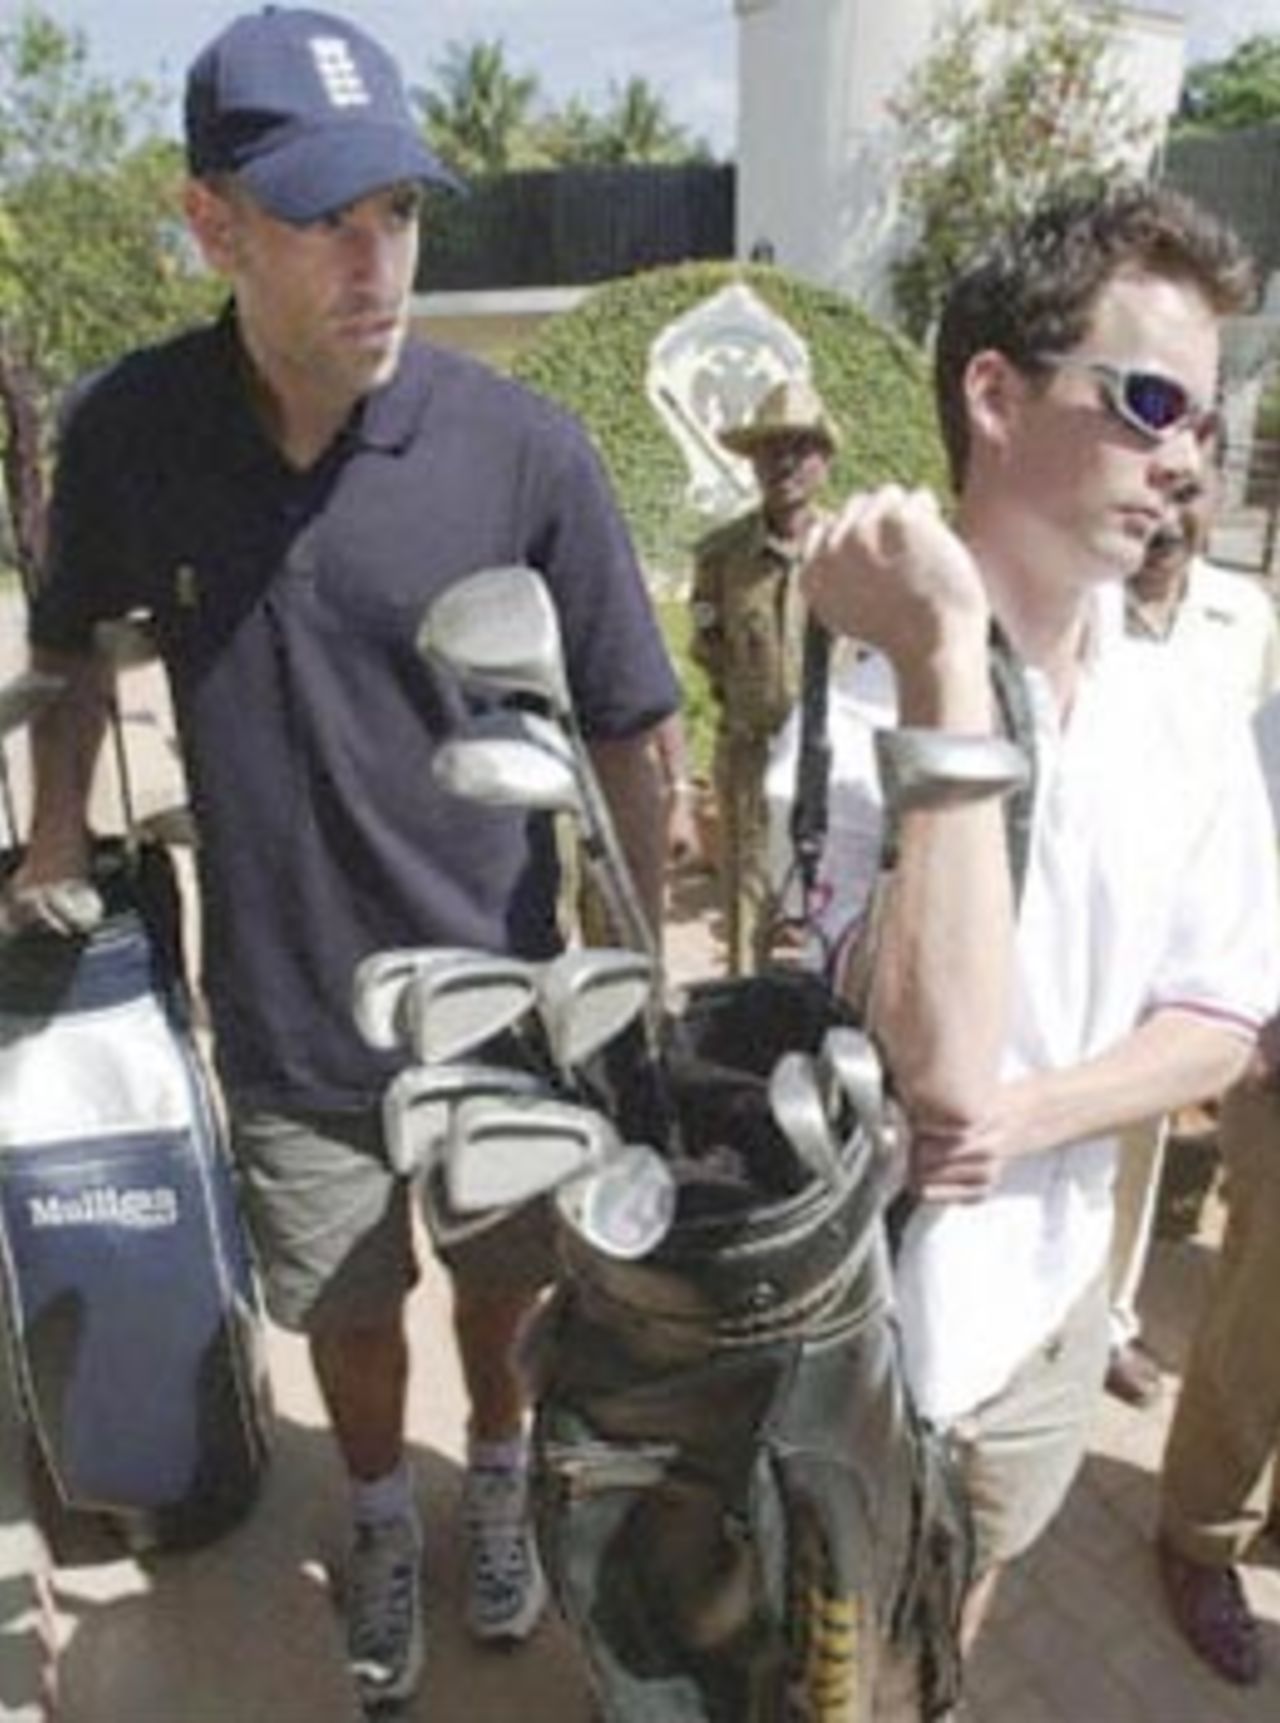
(1237,175)
(575,226)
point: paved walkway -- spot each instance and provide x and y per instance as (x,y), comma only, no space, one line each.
(245,1632)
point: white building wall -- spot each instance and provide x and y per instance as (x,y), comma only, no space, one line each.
(814,162)
(1149,56)
(816,141)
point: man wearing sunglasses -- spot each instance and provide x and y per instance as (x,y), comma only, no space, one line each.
(1126,970)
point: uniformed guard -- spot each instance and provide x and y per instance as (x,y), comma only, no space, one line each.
(747,628)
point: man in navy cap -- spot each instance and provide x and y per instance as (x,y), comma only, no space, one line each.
(284,493)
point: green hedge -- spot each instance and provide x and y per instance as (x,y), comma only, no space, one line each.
(594,359)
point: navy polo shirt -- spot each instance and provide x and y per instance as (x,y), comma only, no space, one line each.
(287,605)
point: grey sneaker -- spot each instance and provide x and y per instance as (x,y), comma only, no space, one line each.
(506,1590)
(385,1637)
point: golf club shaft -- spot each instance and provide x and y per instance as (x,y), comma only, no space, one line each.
(616,879)
(7,803)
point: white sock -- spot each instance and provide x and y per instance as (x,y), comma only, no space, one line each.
(390,1497)
(511,1455)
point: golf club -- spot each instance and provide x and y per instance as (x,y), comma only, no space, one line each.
(377,989)
(418,1107)
(852,1079)
(126,641)
(587,997)
(926,768)
(504,1151)
(441,1000)
(852,1069)
(174,827)
(519,759)
(510,759)
(500,626)
(457,1000)
(625,1209)
(799,1110)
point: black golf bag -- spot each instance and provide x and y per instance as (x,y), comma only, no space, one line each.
(738,1507)
(130,1303)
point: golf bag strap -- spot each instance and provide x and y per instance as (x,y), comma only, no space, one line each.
(813,765)
(808,829)
(1013,702)
(1009,690)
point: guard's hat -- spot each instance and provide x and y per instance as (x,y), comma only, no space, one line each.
(789,409)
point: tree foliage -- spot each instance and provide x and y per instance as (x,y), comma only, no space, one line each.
(1242,90)
(1013,98)
(595,360)
(479,120)
(635,127)
(485,117)
(89,258)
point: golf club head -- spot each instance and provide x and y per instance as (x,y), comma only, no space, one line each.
(173,827)
(586,997)
(852,1075)
(418,1106)
(504,1151)
(799,1110)
(377,990)
(125,641)
(386,1018)
(510,759)
(458,1000)
(929,768)
(625,1209)
(500,626)
(25,696)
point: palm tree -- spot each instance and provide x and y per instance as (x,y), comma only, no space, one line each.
(638,128)
(479,121)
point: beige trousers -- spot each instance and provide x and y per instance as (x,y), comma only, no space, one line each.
(745,894)
(1219,1481)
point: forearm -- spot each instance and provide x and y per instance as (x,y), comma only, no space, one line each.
(65,742)
(630,779)
(941,972)
(1168,1061)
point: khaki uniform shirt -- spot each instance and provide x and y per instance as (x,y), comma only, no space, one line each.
(748,623)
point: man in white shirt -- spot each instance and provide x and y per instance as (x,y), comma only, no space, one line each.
(1224,629)
(1128,970)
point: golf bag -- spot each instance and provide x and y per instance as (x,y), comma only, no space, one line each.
(130,1304)
(737,1504)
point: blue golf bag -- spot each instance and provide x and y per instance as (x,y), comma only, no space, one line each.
(130,1302)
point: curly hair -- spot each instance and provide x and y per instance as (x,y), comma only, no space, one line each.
(1034,292)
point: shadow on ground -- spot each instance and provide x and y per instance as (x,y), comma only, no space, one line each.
(246,1630)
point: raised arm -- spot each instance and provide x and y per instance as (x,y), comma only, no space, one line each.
(890,573)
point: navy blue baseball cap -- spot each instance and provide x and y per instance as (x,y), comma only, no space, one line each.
(306,111)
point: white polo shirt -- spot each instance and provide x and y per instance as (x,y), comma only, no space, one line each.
(1151,883)
(1228,623)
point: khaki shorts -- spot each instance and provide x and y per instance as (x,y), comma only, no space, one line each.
(332,1225)
(1020,1450)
